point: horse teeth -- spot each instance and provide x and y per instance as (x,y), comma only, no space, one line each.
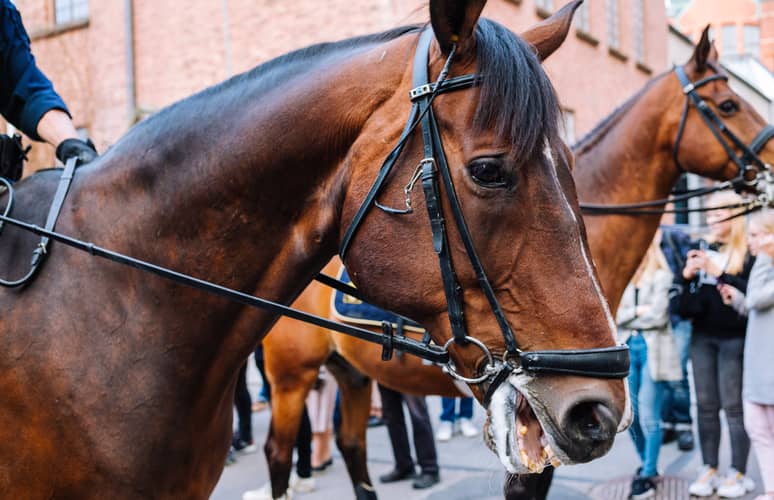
(525,458)
(549,453)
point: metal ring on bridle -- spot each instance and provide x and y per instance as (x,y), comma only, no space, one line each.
(490,369)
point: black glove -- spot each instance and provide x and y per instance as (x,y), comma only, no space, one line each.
(83,150)
(12,156)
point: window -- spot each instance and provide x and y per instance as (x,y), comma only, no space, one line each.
(639,30)
(752,41)
(728,39)
(547,5)
(68,11)
(613,25)
(568,128)
(584,22)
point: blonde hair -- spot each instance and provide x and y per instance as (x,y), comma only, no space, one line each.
(653,261)
(764,218)
(734,251)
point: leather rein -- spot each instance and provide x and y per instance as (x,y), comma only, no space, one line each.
(607,362)
(752,171)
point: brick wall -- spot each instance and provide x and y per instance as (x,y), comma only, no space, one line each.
(767,34)
(181,47)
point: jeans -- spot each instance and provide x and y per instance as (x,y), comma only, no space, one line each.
(646,397)
(676,406)
(717,374)
(448,406)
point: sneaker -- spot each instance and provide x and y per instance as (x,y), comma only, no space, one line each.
(374,421)
(668,436)
(467,428)
(231,457)
(264,493)
(444,432)
(685,440)
(301,484)
(243,446)
(642,487)
(705,483)
(735,484)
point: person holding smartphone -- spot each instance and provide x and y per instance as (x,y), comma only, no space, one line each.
(717,346)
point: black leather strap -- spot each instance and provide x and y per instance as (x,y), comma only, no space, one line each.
(38,255)
(716,126)
(763,137)
(604,362)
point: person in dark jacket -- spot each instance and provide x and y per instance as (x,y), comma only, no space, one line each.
(717,346)
(28,100)
(676,421)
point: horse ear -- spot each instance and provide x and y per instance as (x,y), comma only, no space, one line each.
(705,51)
(454,21)
(549,34)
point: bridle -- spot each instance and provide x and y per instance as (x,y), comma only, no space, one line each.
(608,362)
(749,161)
(752,171)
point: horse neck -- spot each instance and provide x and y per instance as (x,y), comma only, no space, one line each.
(251,202)
(627,159)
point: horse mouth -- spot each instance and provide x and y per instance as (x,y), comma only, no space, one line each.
(515,434)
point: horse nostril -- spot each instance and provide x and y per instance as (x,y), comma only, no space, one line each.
(591,422)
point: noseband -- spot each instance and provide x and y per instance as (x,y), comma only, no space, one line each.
(608,362)
(749,161)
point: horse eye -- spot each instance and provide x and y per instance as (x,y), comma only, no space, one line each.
(728,106)
(488,173)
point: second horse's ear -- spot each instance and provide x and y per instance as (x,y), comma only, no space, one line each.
(454,22)
(705,51)
(549,34)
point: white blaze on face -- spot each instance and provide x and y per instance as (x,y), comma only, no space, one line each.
(627,414)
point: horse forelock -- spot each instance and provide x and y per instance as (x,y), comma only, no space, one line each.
(517,98)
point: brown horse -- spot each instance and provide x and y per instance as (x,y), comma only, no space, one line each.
(605,172)
(119,384)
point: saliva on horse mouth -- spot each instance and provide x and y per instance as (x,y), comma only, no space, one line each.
(514,433)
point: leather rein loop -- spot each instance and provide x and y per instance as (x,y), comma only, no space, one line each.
(41,250)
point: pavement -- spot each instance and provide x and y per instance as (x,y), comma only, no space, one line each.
(470,471)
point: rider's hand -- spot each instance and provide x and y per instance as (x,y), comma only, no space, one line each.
(84,151)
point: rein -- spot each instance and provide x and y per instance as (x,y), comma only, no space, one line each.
(608,362)
(749,162)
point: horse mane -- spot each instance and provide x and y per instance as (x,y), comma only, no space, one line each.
(598,132)
(517,99)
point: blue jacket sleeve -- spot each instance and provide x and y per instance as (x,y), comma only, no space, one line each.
(25,92)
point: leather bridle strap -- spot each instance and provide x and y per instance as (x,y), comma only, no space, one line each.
(760,140)
(38,255)
(718,128)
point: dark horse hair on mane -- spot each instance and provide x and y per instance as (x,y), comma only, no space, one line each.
(597,133)
(517,99)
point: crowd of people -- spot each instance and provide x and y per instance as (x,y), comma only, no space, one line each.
(321,417)
(708,299)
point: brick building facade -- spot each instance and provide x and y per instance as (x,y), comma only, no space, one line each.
(740,28)
(124,59)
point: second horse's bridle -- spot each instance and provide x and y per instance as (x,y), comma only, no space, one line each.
(608,362)
(749,162)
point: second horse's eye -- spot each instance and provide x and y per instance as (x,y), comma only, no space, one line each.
(488,173)
(728,106)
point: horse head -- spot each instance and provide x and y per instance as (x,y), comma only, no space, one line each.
(501,274)
(717,133)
